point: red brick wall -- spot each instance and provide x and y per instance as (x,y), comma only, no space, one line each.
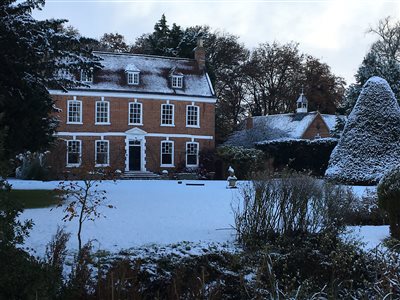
(317,126)
(151,124)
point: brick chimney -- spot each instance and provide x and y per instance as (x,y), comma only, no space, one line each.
(200,54)
(249,123)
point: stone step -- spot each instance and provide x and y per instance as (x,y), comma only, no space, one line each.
(139,175)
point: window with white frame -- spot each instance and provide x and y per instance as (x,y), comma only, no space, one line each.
(74,112)
(192,154)
(177,81)
(102,153)
(167,114)
(135,113)
(74,148)
(86,76)
(192,116)
(133,78)
(167,153)
(102,112)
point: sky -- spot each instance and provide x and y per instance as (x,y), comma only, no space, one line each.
(335,31)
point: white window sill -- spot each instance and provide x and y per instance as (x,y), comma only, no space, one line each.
(75,123)
(101,166)
(135,124)
(102,123)
(167,125)
(73,165)
(192,166)
(193,126)
(167,166)
(133,83)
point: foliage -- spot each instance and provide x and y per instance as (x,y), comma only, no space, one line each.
(389,199)
(299,155)
(292,205)
(264,81)
(114,42)
(244,161)
(83,199)
(383,60)
(32,166)
(306,267)
(369,144)
(33,55)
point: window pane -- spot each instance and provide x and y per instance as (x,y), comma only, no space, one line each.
(102,152)
(192,154)
(135,113)
(167,114)
(74,111)
(192,115)
(102,112)
(166,153)
(73,152)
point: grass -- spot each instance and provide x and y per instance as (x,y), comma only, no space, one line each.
(35,198)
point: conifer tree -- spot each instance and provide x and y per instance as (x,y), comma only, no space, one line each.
(369,145)
(34,56)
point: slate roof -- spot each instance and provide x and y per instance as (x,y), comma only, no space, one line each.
(154,75)
(277,127)
(293,125)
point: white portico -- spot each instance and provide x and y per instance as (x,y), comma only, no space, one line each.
(135,150)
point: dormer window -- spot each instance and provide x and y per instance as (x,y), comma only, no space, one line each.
(87,76)
(133,78)
(177,81)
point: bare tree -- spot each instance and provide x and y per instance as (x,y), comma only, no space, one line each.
(83,198)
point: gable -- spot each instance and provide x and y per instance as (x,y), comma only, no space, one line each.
(317,128)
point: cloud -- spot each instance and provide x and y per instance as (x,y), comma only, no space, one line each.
(332,30)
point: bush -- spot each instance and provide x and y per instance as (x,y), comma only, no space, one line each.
(299,155)
(288,206)
(389,199)
(33,166)
(243,160)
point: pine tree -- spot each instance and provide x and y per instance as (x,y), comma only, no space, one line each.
(33,56)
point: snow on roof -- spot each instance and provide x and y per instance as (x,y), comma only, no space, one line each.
(294,125)
(277,127)
(131,68)
(302,99)
(154,75)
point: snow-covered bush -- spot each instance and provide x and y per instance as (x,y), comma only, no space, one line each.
(299,154)
(288,206)
(32,166)
(243,160)
(389,199)
(369,145)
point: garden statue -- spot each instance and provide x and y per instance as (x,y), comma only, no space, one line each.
(231,178)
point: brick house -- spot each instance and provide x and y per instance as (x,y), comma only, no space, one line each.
(299,125)
(139,113)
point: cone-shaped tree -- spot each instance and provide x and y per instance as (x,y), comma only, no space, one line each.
(370,143)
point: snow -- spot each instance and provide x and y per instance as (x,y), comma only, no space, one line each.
(369,145)
(146,212)
(157,213)
(154,74)
(277,127)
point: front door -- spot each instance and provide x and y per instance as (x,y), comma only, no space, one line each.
(135,156)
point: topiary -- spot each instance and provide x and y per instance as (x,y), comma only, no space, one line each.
(389,199)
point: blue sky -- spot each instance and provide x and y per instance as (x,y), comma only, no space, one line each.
(332,30)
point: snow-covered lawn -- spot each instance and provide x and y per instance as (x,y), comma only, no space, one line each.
(155,212)
(146,212)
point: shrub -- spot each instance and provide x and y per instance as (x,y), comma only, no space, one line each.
(243,160)
(33,166)
(294,204)
(299,155)
(389,199)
